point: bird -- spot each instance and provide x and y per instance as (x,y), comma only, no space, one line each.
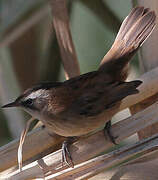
(78,106)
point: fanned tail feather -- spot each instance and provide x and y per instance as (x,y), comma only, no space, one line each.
(135,29)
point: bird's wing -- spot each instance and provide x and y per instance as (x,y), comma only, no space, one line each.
(97,99)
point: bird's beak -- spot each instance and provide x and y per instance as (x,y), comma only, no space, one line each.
(12,104)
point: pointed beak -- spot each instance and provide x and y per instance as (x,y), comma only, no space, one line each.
(12,104)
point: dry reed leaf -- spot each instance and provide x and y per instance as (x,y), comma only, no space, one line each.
(21,142)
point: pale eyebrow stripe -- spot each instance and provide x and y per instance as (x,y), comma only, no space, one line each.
(36,94)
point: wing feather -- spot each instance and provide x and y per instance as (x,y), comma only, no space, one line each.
(95,101)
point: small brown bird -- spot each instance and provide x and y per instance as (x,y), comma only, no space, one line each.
(84,103)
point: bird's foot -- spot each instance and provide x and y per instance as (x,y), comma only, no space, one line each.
(107,131)
(66,155)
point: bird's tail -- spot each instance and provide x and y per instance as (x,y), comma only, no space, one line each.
(123,90)
(134,30)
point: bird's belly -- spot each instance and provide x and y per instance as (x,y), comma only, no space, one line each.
(75,127)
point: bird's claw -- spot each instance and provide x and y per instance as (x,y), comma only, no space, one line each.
(107,131)
(66,156)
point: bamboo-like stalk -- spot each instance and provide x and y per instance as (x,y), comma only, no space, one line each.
(62,29)
(139,168)
(89,147)
(96,165)
(34,140)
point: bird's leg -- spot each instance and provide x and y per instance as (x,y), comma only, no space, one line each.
(107,131)
(66,156)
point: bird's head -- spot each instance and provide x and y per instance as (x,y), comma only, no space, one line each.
(34,99)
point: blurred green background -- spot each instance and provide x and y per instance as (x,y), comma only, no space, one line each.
(29,52)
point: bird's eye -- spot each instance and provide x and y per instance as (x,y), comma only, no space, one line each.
(28,102)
